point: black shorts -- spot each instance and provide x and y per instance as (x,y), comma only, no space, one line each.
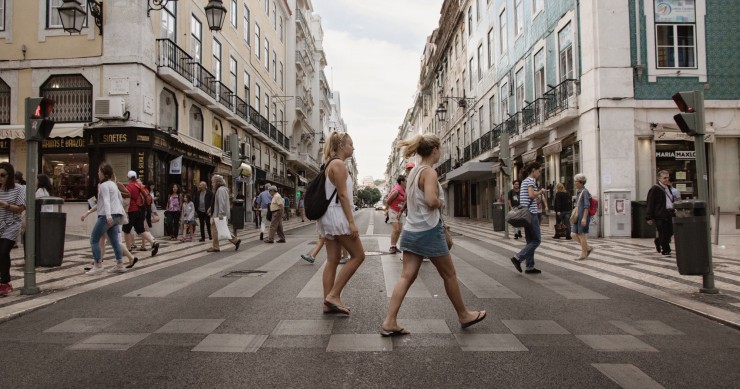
(135,221)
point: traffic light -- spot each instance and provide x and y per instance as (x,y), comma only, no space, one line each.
(691,105)
(38,122)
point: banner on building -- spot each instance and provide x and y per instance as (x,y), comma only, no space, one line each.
(176,165)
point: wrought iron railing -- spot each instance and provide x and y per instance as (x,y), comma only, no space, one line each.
(224,95)
(4,103)
(466,154)
(254,116)
(485,142)
(203,80)
(273,132)
(496,135)
(242,108)
(529,116)
(170,55)
(561,97)
(511,125)
(475,148)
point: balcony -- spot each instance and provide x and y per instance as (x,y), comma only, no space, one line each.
(306,161)
(202,90)
(443,168)
(242,108)
(224,107)
(322,78)
(304,60)
(561,103)
(173,64)
(301,21)
(300,106)
(533,117)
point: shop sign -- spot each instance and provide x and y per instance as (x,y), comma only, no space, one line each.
(677,155)
(143,138)
(161,142)
(141,165)
(114,138)
(674,135)
(10,133)
(63,143)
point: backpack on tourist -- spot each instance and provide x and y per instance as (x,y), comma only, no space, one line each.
(315,201)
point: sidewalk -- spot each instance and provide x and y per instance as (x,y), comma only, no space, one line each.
(633,264)
(57,283)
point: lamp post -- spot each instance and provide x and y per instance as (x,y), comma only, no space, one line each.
(215,14)
(72,16)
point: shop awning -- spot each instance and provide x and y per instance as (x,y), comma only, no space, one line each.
(60,130)
(192,142)
(471,171)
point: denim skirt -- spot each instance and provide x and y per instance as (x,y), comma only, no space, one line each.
(430,243)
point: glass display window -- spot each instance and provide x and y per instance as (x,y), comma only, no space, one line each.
(68,174)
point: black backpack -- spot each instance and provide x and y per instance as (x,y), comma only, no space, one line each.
(315,201)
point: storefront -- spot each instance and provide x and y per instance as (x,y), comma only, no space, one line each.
(678,157)
(66,163)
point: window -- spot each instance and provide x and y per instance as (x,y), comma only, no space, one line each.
(480,61)
(539,73)
(52,14)
(217,133)
(4,102)
(470,69)
(502,30)
(216,59)
(477,9)
(565,43)
(267,54)
(537,6)
(267,7)
(518,17)
(2,15)
(247,82)
(274,16)
(457,47)
(282,81)
(281,29)
(490,47)
(169,21)
(675,34)
(470,20)
(233,15)
(72,95)
(257,40)
(504,101)
(167,119)
(519,93)
(480,123)
(257,154)
(257,97)
(196,123)
(247,33)
(492,110)
(267,106)
(274,114)
(274,66)
(232,74)
(196,45)
(282,120)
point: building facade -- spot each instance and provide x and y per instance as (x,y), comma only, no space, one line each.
(582,87)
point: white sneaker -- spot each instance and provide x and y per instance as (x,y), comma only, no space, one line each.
(95,270)
(343,260)
(119,268)
(308,258)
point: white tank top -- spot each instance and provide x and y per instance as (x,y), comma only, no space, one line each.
(329,188)
(420,217)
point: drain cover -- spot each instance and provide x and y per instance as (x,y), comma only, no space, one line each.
(245,273)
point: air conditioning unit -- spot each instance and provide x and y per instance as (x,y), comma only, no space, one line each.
(109,108)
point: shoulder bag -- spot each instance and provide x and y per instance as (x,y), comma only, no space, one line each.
(574,212)
(520,216)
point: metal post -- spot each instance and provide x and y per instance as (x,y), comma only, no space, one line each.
(29,269)
(505,157)
(703,186)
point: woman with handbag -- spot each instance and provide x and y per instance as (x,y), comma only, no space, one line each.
(172,212)
(562,212)
(424,236)
(528,194)
(580,218)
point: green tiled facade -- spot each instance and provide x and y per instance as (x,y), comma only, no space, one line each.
(723,56)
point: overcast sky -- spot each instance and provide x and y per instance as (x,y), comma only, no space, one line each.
(373,49)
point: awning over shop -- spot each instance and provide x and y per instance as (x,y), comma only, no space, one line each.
(529,156)
(192,142)
(471,171)
(63,130)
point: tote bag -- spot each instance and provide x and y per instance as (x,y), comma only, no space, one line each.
(574,213)
(222,227)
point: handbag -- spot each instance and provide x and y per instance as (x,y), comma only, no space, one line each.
(574,213)
(561,229)
(155,218)
(519,217)
(222,228)
(269,214)
(448,236)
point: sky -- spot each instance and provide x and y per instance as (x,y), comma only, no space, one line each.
(373,50)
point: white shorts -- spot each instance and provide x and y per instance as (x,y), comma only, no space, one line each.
(395,217)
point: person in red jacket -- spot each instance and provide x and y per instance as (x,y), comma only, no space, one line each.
(136,216)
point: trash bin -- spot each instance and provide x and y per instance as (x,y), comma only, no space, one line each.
(51,225)
(640,228)
(237,214)
(691,237)
(497,214)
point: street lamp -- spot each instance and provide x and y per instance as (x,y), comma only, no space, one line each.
(462,102)
(309,135)
(215,13)
(72,15)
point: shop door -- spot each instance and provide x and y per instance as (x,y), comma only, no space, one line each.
(462,200)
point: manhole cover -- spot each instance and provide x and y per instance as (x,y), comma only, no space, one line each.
(245,273)
(375,252)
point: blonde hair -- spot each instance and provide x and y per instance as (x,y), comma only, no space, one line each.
(560,187)
(333,144)
(423,145)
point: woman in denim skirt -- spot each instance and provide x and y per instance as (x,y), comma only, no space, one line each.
(423,236)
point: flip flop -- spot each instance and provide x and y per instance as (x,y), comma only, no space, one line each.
(334,308)
(399,332)
(481,315)
(588,252)
(129,266)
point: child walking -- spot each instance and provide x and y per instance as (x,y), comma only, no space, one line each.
(188,218)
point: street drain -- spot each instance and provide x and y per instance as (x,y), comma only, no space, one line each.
(245,273)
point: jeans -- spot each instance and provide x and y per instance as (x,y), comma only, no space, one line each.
(102,227)
(205,224)
(665,233)
(534,237)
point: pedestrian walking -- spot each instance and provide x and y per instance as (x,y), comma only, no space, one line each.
(151,214)
(338,223)
(513,200)
(202,202)
(286,208)
(172,212)
(562,207)
(583,218)
(423,235)
(302,209)
(12,204)
(396,201)
(256,211)
(188,218)
(528,194)
(311,257)
(277,208)
(660,200)
(220,210)
(136,216)
(264,199)
(110,212)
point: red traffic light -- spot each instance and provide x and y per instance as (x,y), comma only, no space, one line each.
(684,101)
(44,109)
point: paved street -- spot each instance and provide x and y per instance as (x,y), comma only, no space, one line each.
(253,318)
